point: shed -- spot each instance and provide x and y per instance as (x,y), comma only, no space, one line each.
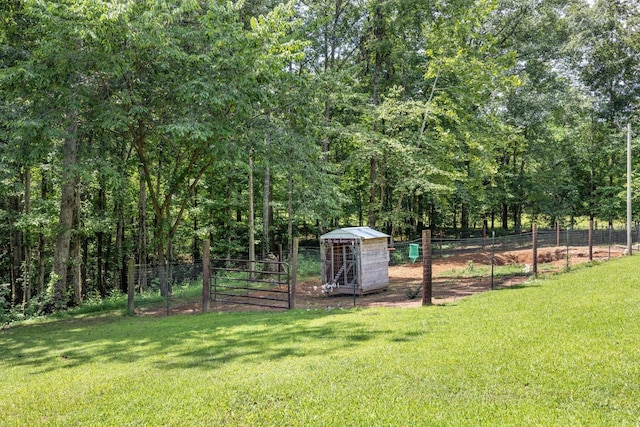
(354,260)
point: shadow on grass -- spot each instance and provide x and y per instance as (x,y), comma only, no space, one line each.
(518,286)
(207,341)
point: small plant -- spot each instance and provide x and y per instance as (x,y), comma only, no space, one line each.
(469,267)
(412,293)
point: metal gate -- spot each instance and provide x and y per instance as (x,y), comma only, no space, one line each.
(265,283)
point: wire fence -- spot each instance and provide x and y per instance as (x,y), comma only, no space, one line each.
(443,248)
(177,287)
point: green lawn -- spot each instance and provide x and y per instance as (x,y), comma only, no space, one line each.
(561,351)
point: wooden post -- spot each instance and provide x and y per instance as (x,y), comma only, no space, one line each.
(629,180)
(590,240)
(131,269)
(294,274)
(557,233)
(567,266)
(206,275)
(493,244)
(427,283)
(534,261)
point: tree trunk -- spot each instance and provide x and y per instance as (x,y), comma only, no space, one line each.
(44,194)
(195,246)
(65,220)
(252,249)
(15,249)
(228,216)
(119,267)
(142,233)
(396,219)
(290,217)
(160,255)
(75,276)
(372,193)
(84,244)
(505,216)
(26,240)
(267,213)
(100,274)
(464,216)
(378,36)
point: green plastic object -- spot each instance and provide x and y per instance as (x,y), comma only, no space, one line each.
(414,251)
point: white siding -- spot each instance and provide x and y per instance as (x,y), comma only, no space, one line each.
(374,265)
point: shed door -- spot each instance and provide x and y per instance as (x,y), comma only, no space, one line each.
(341,264)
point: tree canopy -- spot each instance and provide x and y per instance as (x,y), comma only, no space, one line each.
(136,129)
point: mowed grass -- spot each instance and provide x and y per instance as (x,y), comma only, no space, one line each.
(561,351)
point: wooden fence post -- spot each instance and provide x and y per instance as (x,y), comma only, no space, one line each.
(427,283)
(294,274)
(557,233)
(493,247)
(131,269)
(206,276)
(590,240)
(534,261)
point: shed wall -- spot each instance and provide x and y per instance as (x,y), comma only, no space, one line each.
(374,272)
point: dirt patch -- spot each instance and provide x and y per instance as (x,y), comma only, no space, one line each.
(405,280)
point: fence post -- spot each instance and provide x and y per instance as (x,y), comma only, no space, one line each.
(557,233)
(493,245)
(294,274)
(206,275)
(427,284)
(590,240)
(610,232)
(567,265)
(534,261)
(131,269)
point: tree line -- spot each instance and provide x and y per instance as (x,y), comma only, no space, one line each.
(137,129)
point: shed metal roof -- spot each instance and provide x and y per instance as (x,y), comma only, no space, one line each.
(361,233)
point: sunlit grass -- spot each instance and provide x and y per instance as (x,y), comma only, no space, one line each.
(560,351)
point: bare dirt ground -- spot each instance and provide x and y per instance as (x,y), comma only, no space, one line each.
(406,279)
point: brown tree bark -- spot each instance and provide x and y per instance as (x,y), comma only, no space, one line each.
(266,213)
(65,219)
(142,233)
(26,240)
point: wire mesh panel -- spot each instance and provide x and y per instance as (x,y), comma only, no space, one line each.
(340,266)
(265,283)
(404,252)
(152,277)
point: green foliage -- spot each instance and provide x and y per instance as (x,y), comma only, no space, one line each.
(308,265)
(398,114)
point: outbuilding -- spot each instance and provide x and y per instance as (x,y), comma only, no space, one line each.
(355,260)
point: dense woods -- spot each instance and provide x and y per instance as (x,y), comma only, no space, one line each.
(139,128)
